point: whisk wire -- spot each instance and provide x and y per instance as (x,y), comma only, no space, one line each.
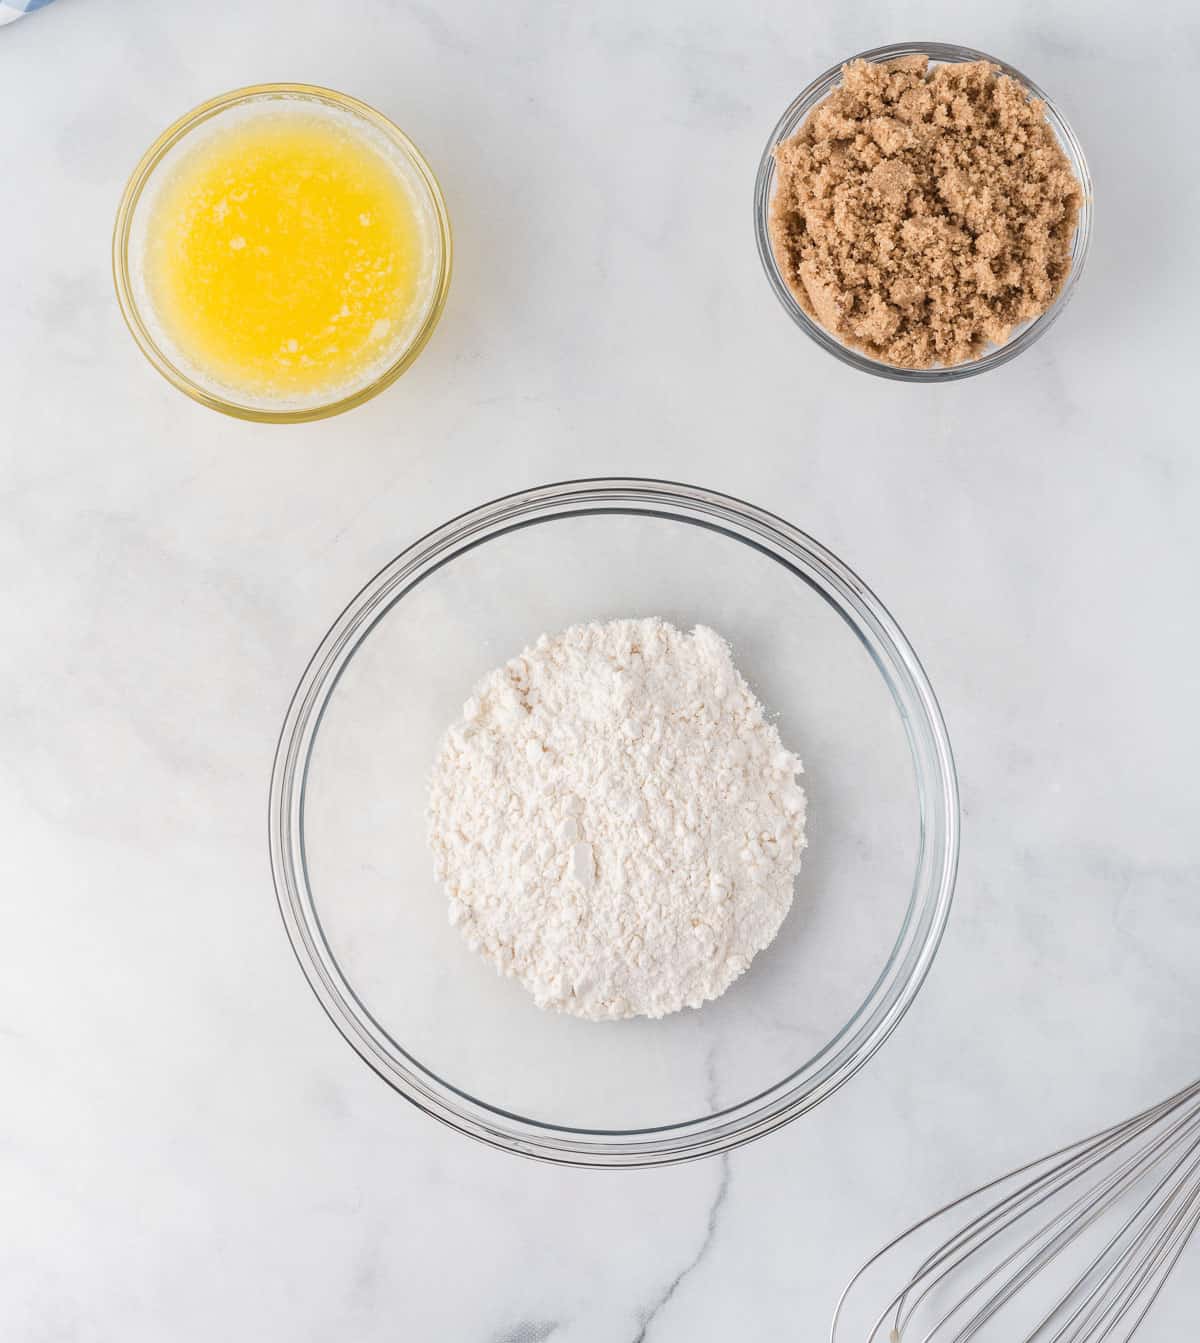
(1076,1219)
(1143,1119)
(1168,1264)
(1008,1212)
(1136,1271)
(1159,1147)
(1106,1284)
(957,1203)
(1073,1169)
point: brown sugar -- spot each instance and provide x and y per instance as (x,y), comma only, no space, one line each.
(921,215)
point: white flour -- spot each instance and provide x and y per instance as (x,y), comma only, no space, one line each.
(615,822)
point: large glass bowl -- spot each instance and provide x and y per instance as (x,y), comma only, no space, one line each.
(764,189)
(368,922)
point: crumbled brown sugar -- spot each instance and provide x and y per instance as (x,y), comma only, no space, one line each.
(921,215)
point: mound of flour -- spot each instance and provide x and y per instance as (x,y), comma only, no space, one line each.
(615,822)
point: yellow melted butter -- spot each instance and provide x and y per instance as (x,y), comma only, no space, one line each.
(284,255)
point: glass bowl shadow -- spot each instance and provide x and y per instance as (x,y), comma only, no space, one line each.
(764,187)
(368,923)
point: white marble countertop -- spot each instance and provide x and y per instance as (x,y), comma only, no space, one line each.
(188,1150)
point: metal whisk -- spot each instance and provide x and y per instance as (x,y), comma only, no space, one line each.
(1111,1213)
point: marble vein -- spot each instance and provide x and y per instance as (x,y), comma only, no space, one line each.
(651,1314)
(527,1331)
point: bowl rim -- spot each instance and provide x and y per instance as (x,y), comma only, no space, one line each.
(138,181)
(933,883)
(791,120)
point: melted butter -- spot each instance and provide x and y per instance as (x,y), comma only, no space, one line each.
(284,255)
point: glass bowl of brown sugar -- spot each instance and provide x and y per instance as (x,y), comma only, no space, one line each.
(941,280)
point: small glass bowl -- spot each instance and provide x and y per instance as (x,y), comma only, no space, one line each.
(137,308)
(367,920)
(1025,335)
